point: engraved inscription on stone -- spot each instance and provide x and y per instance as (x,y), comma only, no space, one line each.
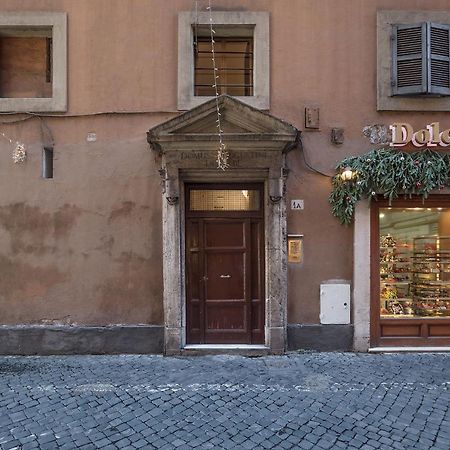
(235,159)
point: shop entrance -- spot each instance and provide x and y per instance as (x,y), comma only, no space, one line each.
(411,273)
(224,264)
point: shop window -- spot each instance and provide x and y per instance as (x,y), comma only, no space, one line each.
(32,61)
(241,53)
(413,60)
(414,262)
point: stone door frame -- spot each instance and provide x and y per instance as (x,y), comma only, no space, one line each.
(174,257)
(187,147)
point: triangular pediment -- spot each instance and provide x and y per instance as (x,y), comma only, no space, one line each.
(237,119)
(208,125)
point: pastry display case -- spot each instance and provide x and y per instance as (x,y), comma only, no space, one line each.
(395,277)
(415,277)
(431,276)
(410,273)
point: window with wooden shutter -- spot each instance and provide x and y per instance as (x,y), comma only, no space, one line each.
(33,61)
(421,59)
(439,62)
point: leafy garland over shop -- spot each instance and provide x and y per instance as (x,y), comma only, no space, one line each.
(387,173)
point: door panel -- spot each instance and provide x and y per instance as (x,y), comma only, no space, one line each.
(224,279)
(227,234)
(194,286)
(226,304)
(225,318)
(225,275)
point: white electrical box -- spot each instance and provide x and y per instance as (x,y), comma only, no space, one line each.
(335,302)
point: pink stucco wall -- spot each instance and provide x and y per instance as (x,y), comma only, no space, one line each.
(85,247)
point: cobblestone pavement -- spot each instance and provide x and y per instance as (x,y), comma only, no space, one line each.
(300,400)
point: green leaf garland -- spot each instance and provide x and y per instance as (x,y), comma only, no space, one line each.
(388,173)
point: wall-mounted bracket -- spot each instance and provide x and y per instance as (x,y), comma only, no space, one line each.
(169,187)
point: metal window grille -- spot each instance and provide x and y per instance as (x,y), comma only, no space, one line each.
(234,61)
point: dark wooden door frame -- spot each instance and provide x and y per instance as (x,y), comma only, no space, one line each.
(376,340)
(250,220)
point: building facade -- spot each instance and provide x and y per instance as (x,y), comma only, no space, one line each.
(118,231)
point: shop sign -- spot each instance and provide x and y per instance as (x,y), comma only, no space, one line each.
(431,136)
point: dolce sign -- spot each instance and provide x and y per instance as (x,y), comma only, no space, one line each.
(431,136)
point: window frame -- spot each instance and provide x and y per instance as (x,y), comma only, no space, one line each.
(259,21)
(386,101)
(57,21)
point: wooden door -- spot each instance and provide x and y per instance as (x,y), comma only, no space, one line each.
(224,273)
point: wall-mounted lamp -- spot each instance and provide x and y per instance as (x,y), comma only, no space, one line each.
(347,174)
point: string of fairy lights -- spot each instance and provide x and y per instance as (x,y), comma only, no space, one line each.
(19,154)
(222,154)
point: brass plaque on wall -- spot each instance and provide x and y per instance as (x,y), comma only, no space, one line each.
(295,248)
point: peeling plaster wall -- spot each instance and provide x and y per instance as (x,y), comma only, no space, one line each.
(85,247)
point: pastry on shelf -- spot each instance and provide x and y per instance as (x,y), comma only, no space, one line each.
(387,241)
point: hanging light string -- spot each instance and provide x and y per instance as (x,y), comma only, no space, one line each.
(222,154)
(19,153)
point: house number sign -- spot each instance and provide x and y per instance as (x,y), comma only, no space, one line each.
(297,204)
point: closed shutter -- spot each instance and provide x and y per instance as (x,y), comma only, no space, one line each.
(409,59)
(421,59)
(439,62)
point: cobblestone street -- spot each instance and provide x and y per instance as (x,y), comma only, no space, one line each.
(300,400)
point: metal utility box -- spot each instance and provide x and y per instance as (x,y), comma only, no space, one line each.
(335,302)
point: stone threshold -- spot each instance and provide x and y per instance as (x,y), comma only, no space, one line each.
(409,349)
(225,349)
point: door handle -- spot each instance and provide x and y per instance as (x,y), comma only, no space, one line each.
(225,276)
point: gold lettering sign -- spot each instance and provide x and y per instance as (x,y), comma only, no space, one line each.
(431,136)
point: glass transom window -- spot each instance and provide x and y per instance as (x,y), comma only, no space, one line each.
(224,200)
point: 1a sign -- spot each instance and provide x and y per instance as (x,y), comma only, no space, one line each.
(297,204)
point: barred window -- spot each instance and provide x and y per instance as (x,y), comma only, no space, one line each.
(234,64)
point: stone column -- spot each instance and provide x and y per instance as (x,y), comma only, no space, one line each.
(173,336)
(361,277)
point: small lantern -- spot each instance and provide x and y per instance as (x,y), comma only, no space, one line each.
(347,174)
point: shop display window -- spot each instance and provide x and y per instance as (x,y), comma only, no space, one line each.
(414,262)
